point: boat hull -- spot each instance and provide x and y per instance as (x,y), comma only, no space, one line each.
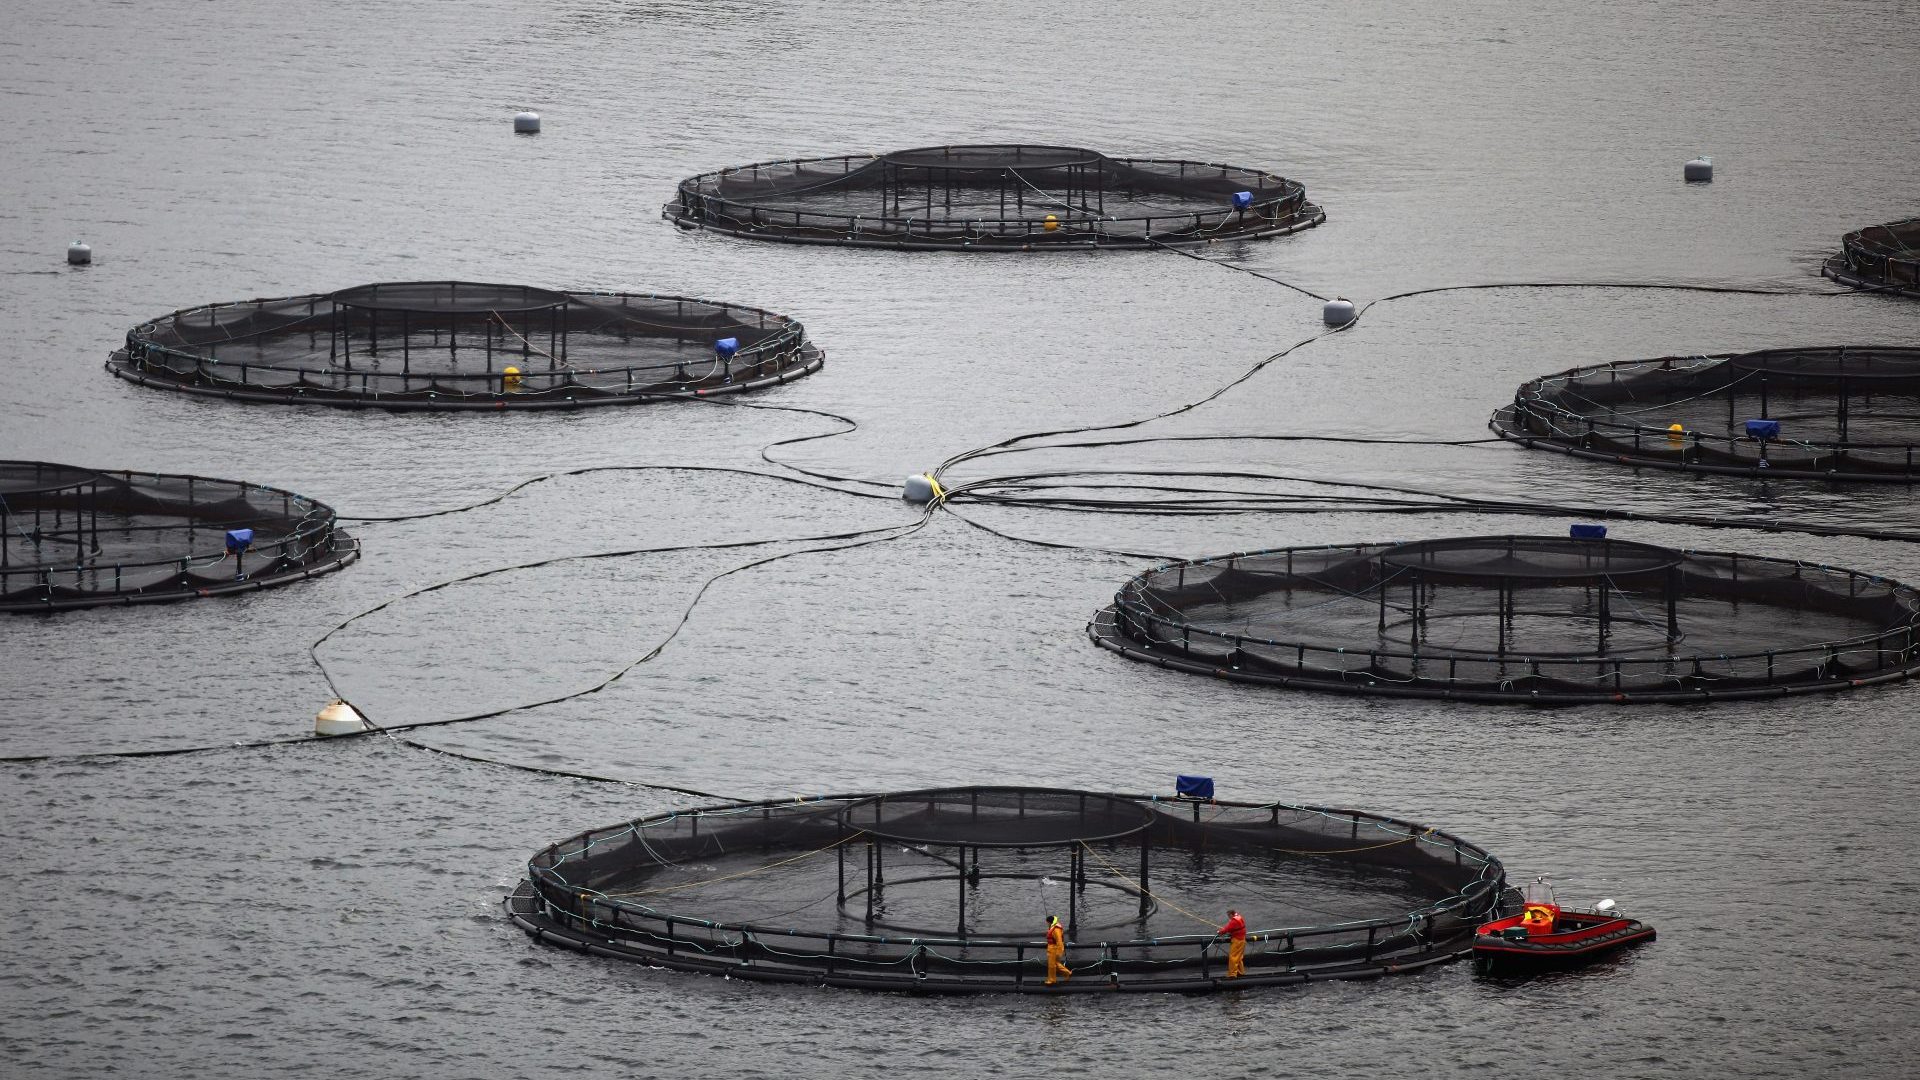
(1496,954)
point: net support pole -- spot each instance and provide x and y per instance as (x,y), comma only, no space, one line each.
(869,880)
(1145,848)
(1414,622)
(840,857)
(1606,613)
(1073,891)
(961,877)
(1673,610)
(1380,571)
(1501,599)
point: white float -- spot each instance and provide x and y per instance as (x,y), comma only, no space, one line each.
(339,718)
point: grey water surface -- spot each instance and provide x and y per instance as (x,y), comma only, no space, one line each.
(334,909)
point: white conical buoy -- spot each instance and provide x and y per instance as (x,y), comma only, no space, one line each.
(339,718)
(1338,312)
(79,254)
(527,123)
(1700,170)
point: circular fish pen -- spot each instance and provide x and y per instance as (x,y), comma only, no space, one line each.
(75,538)
(1524,619)
(466,345)
(1884,258)
(949,890)
(1830,413)
(993,198)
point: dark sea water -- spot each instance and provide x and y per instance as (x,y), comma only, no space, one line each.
(334,909)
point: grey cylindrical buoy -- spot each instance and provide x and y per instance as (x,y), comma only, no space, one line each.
(79,254)
(1338,312)
(920,488)
(1700,170)
(526,123)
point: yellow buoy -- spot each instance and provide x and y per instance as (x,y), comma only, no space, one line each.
(510,379)
(1676,434)
(1051,223)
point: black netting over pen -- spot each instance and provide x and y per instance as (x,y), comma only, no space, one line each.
(1880,257)
(466,345)
(1531,619)
(73,538)
(993,198)
(950,890)
(1828,413)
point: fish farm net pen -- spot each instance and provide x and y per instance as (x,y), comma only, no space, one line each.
(72,537)
(993,198)
(1519,619)
(1843,413)
(1881,258)
(439,345)
(946,890)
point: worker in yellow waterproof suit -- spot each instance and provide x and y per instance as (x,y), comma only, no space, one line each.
(1056,949)
(1236,934)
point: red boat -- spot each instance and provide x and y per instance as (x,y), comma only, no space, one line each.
(1544,935)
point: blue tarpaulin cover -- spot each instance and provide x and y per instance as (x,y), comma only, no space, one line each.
(726,347)
(1763,429)
(239,540)
(1587,532)
(1193,787)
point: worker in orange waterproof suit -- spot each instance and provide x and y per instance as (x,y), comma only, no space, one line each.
(1056,948)
(1236,933)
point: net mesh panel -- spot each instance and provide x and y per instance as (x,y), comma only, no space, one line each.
(1367,617)
(1544,558)
(980,195)
(990,817)
(116,536)
(451,342)
(754,887)
(1843,412)
(449,297)
(1885,253)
